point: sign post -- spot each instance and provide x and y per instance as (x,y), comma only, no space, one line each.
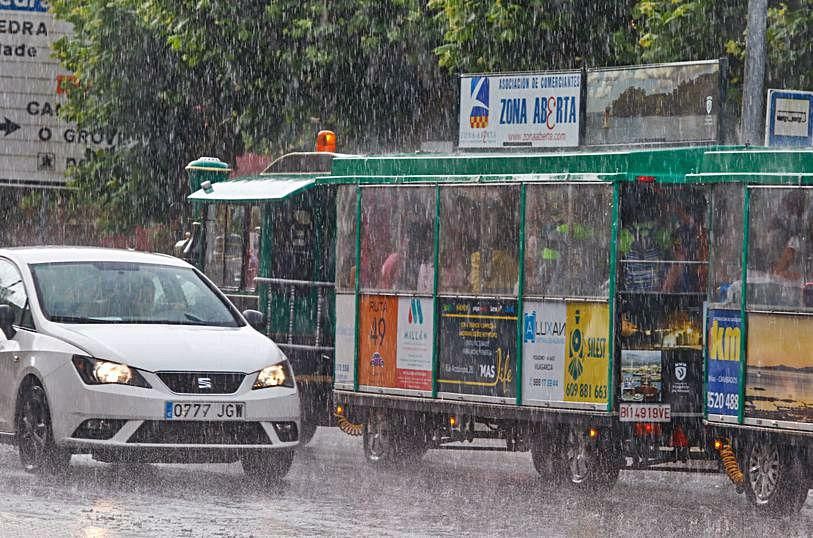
(787,121)
(36,146)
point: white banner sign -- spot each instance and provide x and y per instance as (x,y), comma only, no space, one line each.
(520,110)
(36,147)
(344,354)
(543,351)
(414,343)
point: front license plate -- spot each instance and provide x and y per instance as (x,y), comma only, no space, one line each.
(645,413)
(204,411)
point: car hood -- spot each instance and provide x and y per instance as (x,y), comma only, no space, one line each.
(174,347)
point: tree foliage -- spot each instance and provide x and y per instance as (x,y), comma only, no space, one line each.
(187,78)
(516,35)
(196,77)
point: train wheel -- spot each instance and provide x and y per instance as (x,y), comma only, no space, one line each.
(380,446)
(774,480)
(546,454)
(589,463)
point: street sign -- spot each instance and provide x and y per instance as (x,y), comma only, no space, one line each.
(787,121)
(36,146)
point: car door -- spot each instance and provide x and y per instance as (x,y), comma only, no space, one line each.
(12,351)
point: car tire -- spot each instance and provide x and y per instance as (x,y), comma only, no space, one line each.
(306,432)
(774,477)
(589,464)
(267,466)
(35,435)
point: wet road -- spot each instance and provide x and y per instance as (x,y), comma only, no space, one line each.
(332,491)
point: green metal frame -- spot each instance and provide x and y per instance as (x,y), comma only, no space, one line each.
(520,291)
(616,215)
(746,210)
(435,302)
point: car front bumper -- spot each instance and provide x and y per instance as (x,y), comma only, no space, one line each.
(132,421)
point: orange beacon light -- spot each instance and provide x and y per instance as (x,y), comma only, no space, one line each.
(326,141)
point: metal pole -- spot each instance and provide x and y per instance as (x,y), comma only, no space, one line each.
(753,99)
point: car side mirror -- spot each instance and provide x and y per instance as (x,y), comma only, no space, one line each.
(7,321)
(255,318)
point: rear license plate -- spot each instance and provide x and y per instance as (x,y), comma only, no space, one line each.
(645,413)
(204,411)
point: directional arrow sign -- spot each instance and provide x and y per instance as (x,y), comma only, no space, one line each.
(8,126)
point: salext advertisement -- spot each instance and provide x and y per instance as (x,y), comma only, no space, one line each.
(565,353)
(520,110)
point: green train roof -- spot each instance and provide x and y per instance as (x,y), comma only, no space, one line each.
(698,164)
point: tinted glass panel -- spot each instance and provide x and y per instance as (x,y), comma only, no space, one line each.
(346,238)
(725,251)
(567,247)
(779,249)
(479,240)
(396,239)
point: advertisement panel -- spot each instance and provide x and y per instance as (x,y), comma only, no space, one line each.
(683,380)
(477,347)
(641,376)
(779,372)
(723,334)
(378,333)
(587,352)
(543,351)
(414,346)
(344,353)
(787,120)
(520,110)
(653,104)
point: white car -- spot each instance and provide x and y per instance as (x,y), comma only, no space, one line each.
(139,358)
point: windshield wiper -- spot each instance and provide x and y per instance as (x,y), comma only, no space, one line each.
(193,317)
(80,319)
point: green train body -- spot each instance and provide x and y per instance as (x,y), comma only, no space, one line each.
(647,358)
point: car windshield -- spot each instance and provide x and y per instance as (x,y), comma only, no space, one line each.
(127,292)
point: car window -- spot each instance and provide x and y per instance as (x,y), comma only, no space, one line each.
(126,292)
(12,293)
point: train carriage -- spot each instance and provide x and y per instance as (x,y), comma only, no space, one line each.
(641,309)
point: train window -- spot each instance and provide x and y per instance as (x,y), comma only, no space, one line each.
(779,248)
(224,245)
(663,242)
(346,238)
(726,242)
(479,240)
(397,239)
(567,240)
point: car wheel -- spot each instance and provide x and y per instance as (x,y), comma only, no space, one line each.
(773,477)
(588,463)
(35,437)
(267,466)
(379,440)
(306,432)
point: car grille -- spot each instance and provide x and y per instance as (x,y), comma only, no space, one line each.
(190,432)
(202,382)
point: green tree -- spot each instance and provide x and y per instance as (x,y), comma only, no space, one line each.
(516,35)
(195,77)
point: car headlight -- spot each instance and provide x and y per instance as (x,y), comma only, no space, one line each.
(100,372)
(276,375)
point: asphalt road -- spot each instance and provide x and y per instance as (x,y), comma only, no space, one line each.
(332,491)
